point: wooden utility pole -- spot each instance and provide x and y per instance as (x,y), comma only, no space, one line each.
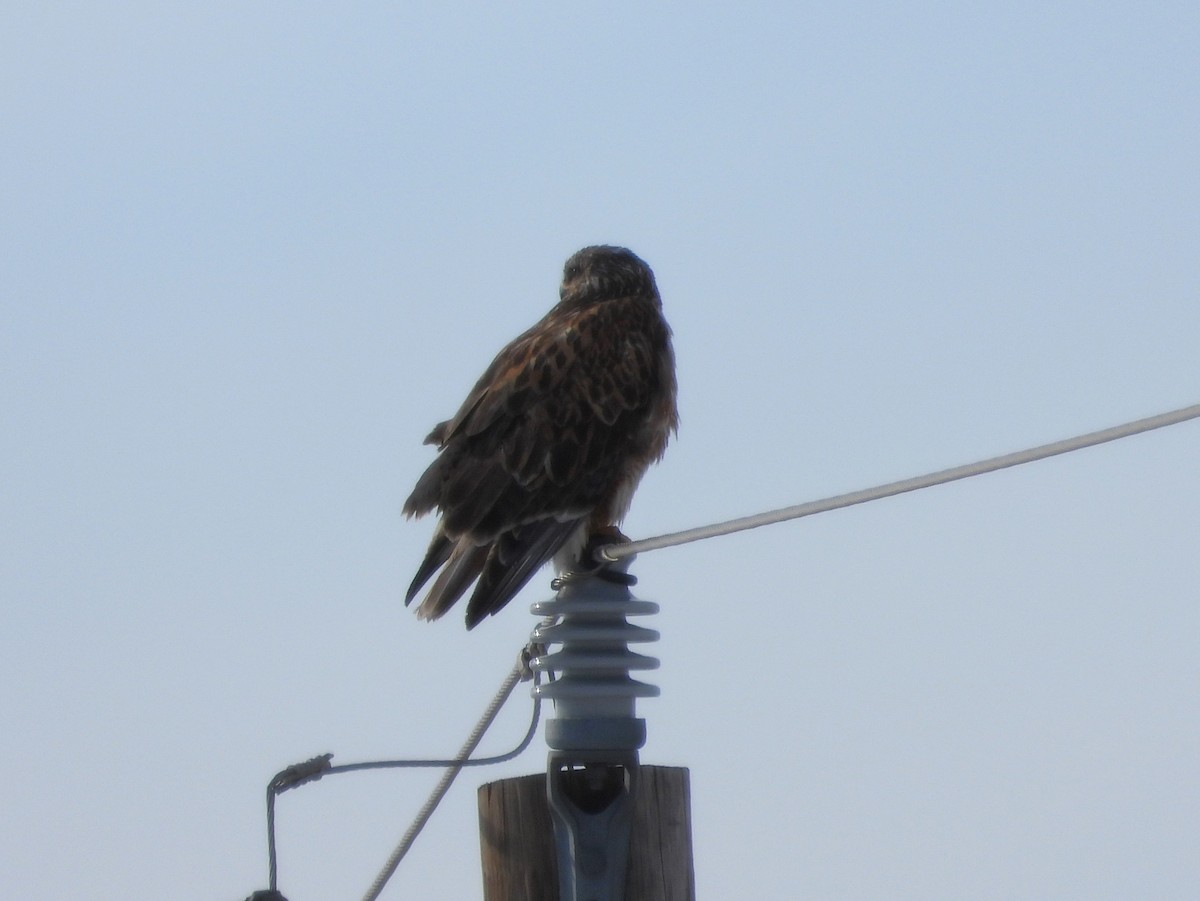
(516,836)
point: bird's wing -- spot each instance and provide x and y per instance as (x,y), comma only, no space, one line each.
(538,443)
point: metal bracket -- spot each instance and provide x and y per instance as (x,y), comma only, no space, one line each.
(592,808)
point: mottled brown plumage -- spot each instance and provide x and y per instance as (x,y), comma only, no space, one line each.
(552,440)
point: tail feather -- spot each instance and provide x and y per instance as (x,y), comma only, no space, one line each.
(463,567)
(513,560)
(438,553)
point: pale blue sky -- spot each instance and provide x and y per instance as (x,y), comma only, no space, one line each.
(253,252)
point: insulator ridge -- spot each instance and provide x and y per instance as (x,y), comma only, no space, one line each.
(592,688)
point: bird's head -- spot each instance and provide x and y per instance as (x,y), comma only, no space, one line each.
(605,273)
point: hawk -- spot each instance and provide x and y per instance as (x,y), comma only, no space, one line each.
(547,449)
